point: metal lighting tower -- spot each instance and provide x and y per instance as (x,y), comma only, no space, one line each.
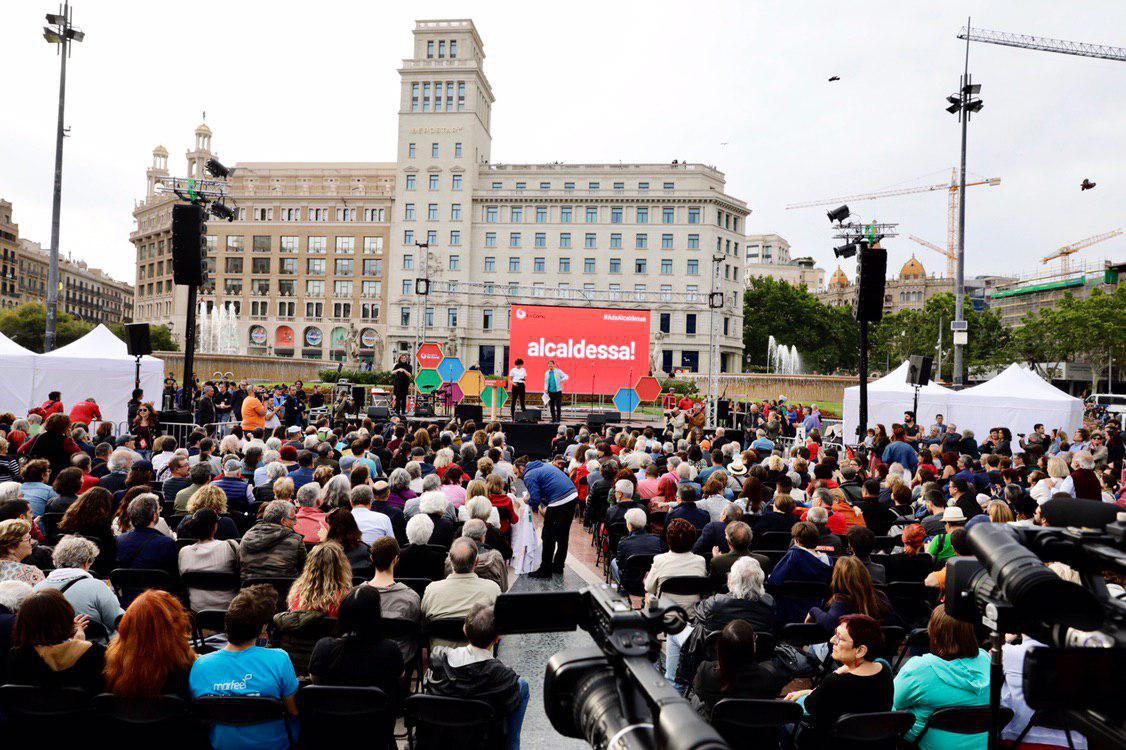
(963,103)
(715,307)
(60,31)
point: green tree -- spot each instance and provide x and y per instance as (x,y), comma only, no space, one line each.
(26,324)
(1090,330)
(826,337)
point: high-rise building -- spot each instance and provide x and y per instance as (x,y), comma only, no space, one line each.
(768,255)
(661,236)
(302,265)
(9,257)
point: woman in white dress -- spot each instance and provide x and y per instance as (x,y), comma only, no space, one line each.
(1043,490)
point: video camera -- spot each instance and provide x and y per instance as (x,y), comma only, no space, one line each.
(609,694)
(1008,588)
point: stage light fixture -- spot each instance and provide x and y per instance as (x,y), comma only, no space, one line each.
(222,211)
(216,169)
(838,214)
(845,251)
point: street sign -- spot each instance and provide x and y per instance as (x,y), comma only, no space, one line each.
(626,400)
(494,397)
(648,388)
(428,380)
(429,355)
(472,383)
(451,369)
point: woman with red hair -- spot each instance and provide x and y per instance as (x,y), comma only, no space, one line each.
(151,655)
(912,564)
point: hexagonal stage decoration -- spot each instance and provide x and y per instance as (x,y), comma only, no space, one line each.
(472,382)
(492,395)
(427,380)
(648,388)
(626,400)
(429,355)
(451,369)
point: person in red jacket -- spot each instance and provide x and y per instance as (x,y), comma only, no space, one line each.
(502,501)
(85,412)
(53,405)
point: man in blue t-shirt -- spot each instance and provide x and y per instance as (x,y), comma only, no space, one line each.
(243,668)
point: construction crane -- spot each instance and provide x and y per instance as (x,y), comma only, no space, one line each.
(1044,44)
(951,189)
(1064,253)
(951,255)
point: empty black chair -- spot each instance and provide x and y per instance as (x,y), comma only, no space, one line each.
(633,573)
(334,716)
(888,543)
(447,629)
(241,711)
(418,585)
(963,720)
(912,601)
(773,540)
(879,730)
(754,724)
(772,556)
(281,584)
(213,620)
(29,709)
(801,634)
(917,641)
(894,636)
(129,583)
(96,632)
(49,523)
(435,722)
(166,721)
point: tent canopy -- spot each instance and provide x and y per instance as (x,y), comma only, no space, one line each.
(98,365)
(17,369)
(889,397)
(1016,398)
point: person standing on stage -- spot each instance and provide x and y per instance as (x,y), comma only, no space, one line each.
(403,373)
(517,376)
(553,381)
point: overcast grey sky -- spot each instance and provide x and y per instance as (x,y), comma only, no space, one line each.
(597,82)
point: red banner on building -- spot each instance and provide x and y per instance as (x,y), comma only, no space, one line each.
(600,349)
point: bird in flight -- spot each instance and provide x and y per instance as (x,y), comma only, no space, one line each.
(834,78)
(1086,185)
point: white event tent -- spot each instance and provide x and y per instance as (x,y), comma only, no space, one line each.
(98,365)
(889,397)
(1016,398)
(17,370)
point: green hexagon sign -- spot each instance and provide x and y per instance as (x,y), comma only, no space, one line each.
(494,396)
(427,380)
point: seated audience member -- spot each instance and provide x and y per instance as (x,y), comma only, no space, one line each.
(496,486)
(144,546)
(778,517)
(479,507)
(12,595)
(119,464)
(739,537)
(859,685)
(215,500)
(490,565)
(199,476)
(310,520)
(92,516)
(912,564)
(623,502)
(381,504)
(746,600)
(15,545)
(341,528)
(713,537)
(244,668)
(420,558)
(936,507)
(67,486)
(73,556)
(861,542)
(151,655)
(179,478)
(960,545)
(49,646)
(456,595)
(270,547)
(852,594)
(471,671)
(954,673)
(434,504)
(827,541)
(208,555)
(361,656)
(678,561)
(877,516)
(397,600)
(373,524)
(274,475)
(637,541)
(802,562)
(736,672)
(714,500)
(240,493)
(941,548)
(687,510)
(35,488)
(323,583)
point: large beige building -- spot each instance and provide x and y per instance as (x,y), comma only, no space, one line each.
(302,265)
(358,238)
(768,255)
(1014,298)
(86,293)
(910,290)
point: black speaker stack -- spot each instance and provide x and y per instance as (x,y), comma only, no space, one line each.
(529,416)
(139,340)
(189,240)
(919,369)
(465,412)
(872,271)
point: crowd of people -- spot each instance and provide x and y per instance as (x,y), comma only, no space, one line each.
(372,554)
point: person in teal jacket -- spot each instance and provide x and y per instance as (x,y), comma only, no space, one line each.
(954,673)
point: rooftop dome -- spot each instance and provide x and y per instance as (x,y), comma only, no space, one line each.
(838,279)
(160,151)
(203,129)
(913,269)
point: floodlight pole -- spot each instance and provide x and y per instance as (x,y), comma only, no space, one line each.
(63,29)
(958,325)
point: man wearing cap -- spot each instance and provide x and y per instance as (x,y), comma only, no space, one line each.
(940,547)
(239,492)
